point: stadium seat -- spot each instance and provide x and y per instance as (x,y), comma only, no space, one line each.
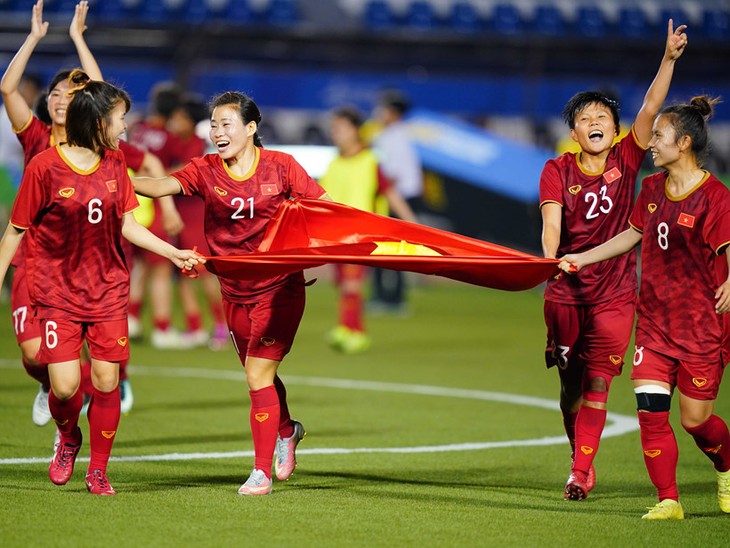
(506,19)
(420,15)
(633,23)
(590,22)
(378,15)
(464,17)
(716,24)
(282,13)
(547,20)
(676,14)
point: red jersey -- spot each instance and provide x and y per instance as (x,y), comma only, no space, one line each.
(158,141)
(37,137)
(596,207)
(683,263)
(74,259)
(237,210)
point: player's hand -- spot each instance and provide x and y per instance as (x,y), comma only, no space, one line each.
(722,295)
(38,28)
(570,263)
(78,23)
(186,259)
(676,41)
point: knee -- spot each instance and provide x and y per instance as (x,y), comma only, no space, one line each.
(104,381)
(652,399)
(64,390)
(693,418)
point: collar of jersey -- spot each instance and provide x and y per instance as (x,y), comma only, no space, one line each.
(250,171)
(78,170)
(690,191)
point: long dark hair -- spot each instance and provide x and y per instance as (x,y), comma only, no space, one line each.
(89,112)
(246,107)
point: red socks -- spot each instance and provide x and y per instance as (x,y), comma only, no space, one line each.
(40,373)
(351,311)
(713,439)
(264,418)
(660,452)
(104,413)
(286,428)
(194,322)
(66,414)
(588,428)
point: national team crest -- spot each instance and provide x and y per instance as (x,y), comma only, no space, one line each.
(67,192)
(220,191)
(575,189)
(699,382)
(686,220)
(269,189)
(122,341)
(112,185)
(653,453)
(652,208)
(611,175)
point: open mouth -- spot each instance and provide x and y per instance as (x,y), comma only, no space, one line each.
(595,136)
(222,145)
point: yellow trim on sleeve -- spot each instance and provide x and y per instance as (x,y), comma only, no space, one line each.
(636,229)
(19,227)
(25,126)
(549,202)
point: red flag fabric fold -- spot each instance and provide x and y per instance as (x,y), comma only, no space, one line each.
(309,233)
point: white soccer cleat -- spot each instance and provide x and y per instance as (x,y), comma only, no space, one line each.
(285,458)
(256,484)
(126,396)
(41,412)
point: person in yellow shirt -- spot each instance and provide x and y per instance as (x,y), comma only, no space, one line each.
(354,178)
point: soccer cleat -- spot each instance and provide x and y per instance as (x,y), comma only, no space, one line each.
(666,509)
(62,463)
(98,484)
(347,340)
(56,441)
(126,396)
(256,484)
(576,487)
(195,339)
(41,412)
(723,491)
(285,459)
(169,339)
(591,478)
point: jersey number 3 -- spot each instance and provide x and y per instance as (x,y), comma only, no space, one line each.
(598,204)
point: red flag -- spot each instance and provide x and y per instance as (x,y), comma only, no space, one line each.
(686,220)
(308,233)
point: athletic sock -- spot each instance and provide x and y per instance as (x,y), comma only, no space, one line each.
(286,428)
(351,315)
(38,372)
(135,308)
(588,428)
(161,324)
(194,322)
(569,419)
(66,415)
(264,418)
(104,412)
(713,439)
(660,452)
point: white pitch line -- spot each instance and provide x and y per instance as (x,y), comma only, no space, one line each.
(619,424)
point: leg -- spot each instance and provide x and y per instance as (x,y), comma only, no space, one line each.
(349,335)
(163,335)
(194,334)
(104,413)
(65,401)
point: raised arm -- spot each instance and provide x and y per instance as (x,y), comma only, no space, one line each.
(76,32)
(618,245)
(18,110)
(155,187)
(657,92)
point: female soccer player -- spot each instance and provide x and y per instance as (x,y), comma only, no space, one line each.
(355,178)
(36,136)
(682,220)
(242,187)
(586,199)
(75,202)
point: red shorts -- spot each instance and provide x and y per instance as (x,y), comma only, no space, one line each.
(192,211)
(62,340)
(25,322)
(266,329)
(700,381)
(593,337)
(156,229)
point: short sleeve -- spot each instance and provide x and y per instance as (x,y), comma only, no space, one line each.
(301,185)
(31,197)
(632,152)
(716,230)
(636,219)
(188,177)
(551,185)
(129,198)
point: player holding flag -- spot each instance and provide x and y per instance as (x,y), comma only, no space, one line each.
(586,199)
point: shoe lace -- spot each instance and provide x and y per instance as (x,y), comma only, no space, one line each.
(100,479)
(65,455)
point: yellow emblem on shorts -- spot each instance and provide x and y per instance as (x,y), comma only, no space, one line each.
(61,423)
(67,192)
(108,434)
(586,450)
(652,208)
(574,190)
(714,450)
(653,453)
(615,359)
(220,191)
(267,341)
(122,341)
(261,417)
(699,382)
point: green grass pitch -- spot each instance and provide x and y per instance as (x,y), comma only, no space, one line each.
(412,443)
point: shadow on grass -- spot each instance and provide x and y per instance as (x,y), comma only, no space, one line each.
(189,405)
(199,441)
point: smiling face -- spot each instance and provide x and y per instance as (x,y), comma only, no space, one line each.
(665,150)
(228,132)
(595,128)
(117,124)
(58,100)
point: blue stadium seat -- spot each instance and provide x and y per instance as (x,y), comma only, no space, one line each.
(282,12)
(420,15)
(506,19)
(378,15)
(464,17)
(678,15)
(716,24)
(591,22)
(547,20)
(633,23)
